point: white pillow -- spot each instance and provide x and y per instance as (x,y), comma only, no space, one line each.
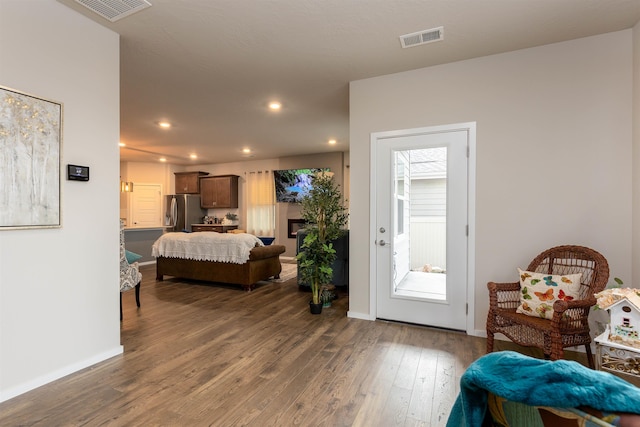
(538,292)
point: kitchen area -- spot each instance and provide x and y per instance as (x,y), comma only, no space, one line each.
(148,213)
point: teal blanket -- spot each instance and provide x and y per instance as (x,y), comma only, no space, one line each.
(535,382)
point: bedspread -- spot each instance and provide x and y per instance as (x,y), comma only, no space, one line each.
(206,246)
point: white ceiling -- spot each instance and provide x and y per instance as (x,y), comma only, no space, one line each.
(211,66)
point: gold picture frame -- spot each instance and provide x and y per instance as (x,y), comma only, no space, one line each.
(30,155)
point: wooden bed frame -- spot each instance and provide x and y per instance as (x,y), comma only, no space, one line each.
(264,263)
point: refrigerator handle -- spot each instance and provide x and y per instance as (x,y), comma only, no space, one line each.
(174,212)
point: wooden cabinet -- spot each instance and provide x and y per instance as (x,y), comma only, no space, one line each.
(219,191)
(188,182)
(213,227)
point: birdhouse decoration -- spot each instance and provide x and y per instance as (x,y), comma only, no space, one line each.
(623,305)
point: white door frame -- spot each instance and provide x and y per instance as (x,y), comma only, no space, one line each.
(470,128)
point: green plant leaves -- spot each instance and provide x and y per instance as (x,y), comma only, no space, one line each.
(326,217)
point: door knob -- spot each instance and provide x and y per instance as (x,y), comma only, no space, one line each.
(382,243)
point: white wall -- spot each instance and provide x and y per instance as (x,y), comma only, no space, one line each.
(59,288)
(636,157)
(553,152)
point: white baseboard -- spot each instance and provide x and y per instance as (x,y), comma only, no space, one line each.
(356,315)
(55,375)
(147,262)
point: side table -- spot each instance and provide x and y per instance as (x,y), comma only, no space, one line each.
(620,360)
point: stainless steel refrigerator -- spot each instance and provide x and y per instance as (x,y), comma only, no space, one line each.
(182,210)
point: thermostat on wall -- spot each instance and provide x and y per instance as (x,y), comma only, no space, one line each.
(77,173)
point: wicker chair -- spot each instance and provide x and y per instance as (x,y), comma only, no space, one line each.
(569,326)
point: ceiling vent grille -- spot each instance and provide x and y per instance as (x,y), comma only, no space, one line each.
(114,10)
(422,37)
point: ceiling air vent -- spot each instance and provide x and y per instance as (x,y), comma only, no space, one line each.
(422,37)
(114,10)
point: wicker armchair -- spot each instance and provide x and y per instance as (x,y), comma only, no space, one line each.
(569,326)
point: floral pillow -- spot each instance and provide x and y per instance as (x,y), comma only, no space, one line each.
(538,292)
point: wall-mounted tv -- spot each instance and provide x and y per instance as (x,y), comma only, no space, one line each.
(293,184)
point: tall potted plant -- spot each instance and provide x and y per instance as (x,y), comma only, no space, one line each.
(325,216)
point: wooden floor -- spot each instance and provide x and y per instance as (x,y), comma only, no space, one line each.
(198,354)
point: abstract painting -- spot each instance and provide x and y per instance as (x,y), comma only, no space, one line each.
(30,147)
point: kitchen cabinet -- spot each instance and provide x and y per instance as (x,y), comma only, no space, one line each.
(141,239)
(219,191)
(188,182)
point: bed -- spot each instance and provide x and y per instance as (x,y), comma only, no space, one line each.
(240,259)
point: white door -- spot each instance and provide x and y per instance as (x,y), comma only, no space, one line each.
(146,205)
(410,220)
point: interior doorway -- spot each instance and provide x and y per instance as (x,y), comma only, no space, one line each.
(146,206)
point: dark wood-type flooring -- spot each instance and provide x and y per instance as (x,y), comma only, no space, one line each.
(199,354)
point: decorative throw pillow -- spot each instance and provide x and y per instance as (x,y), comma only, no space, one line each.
(131,256)
(538,292)
(267,240)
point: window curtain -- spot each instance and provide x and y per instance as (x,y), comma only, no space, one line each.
(261,204)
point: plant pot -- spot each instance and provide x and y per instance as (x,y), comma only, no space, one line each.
(326,296)
(315,308)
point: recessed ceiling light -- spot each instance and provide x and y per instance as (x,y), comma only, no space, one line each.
(162,159)
(193,156)
(121,144)
(275,106)
(246,150)
(332,142)
(164,125)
